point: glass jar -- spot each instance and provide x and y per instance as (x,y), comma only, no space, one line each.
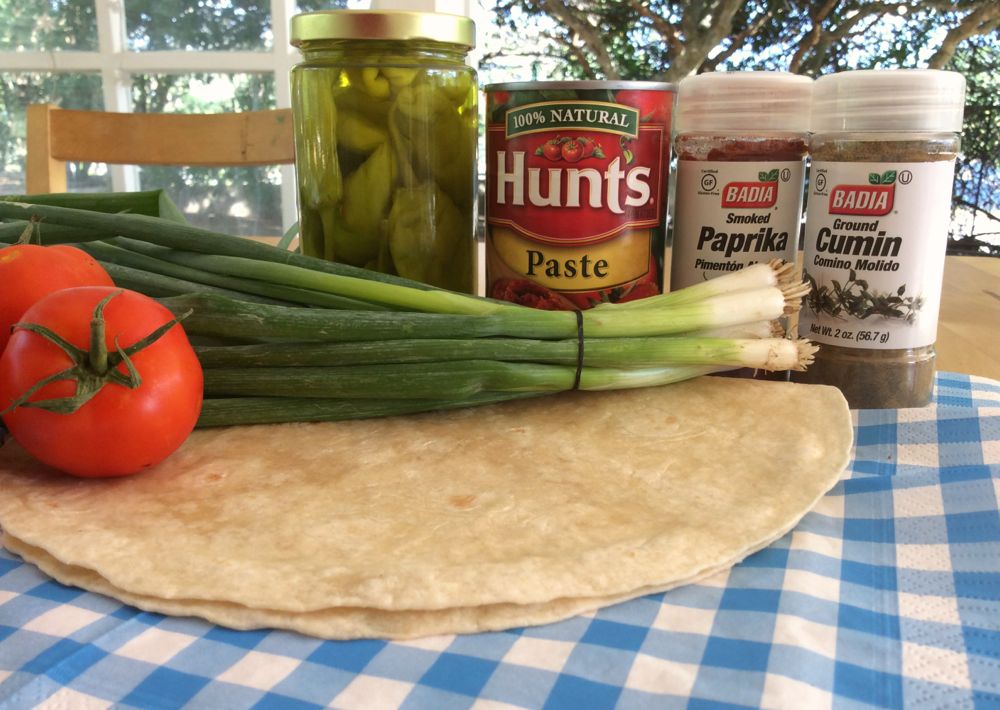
(741,143)
(385,113)
(879,207)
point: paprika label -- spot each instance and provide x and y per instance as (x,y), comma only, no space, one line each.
(576,186)
(734,213)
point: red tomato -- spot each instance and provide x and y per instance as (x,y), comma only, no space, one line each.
(499,98)
(583,301)
(528,293)
(29,271)
(120,430)
(643,289)
(652,105)
(552,149)
(587,145)
(572,151)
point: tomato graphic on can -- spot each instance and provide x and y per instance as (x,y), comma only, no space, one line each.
(576,191)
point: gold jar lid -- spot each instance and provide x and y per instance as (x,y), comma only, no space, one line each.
(383,25)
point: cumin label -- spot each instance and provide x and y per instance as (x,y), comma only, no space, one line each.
(874,253)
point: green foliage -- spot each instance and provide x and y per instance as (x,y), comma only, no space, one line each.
(978,62)
(207,24)
(48,25)
(977,178)
(78,91)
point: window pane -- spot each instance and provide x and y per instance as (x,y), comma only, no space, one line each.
(78,91)
(245,201)
(202,92)
(48,25)
(207,24)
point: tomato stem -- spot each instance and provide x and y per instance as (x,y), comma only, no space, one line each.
(98,353)
(30,230)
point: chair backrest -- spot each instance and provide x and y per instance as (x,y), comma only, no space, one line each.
(58,135)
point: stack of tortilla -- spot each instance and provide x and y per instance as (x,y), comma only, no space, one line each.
(481,519)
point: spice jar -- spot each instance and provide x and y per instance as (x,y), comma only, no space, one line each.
(883,155)
(741,143)
(385,113)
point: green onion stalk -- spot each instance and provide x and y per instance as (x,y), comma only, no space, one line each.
(286,337)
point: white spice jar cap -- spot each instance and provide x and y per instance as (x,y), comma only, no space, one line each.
(743,102)
(889,100)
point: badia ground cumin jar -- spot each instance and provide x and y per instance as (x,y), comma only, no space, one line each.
(878,210)
(385,112)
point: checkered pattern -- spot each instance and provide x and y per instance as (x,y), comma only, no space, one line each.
(887,594)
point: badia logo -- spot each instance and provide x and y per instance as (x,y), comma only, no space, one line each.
(752,195)
(872,200)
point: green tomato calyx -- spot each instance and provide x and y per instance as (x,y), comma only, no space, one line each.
(93,368)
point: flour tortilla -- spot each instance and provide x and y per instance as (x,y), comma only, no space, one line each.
(338,622)
(513,514)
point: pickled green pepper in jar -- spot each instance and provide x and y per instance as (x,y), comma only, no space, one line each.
(385,112)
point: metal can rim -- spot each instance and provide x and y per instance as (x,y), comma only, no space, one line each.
(584,85)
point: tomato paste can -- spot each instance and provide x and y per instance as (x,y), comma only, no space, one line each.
(576,191)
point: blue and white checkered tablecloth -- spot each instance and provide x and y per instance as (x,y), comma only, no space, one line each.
(887,594)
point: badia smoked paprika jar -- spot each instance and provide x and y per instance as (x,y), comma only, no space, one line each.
(879,207)
(741,140)
(385,114)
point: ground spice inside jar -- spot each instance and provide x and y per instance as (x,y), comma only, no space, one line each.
(876,228)
(740,148)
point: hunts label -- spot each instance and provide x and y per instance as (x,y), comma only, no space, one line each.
(584,115)
(576,196)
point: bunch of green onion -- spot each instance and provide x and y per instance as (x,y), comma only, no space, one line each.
(284,337)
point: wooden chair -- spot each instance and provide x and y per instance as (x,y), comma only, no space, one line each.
(58,135)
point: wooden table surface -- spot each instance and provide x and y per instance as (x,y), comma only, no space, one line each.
(969,323)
